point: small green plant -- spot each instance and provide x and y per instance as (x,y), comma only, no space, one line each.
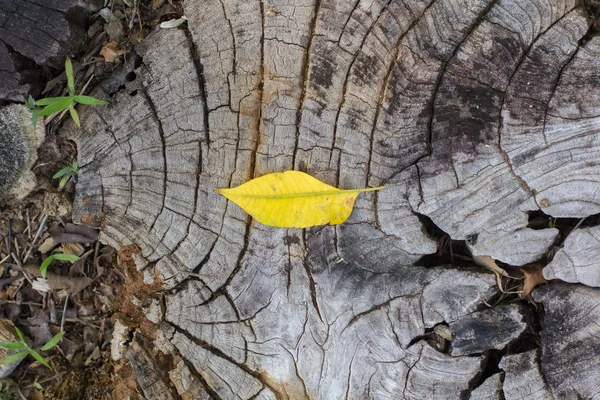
(26,350)
(66,173)
(57,104)
(58,257)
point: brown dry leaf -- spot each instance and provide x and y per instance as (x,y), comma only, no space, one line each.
(533,277)
(72,248)
(110,51)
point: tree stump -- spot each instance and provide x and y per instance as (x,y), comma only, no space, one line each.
(472,113)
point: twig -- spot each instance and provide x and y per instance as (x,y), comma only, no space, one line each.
(62,322)
(21,303)
(37,236)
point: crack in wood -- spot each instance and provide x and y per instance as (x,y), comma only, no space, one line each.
(217,352)
(304,76)
(199,68)
(161,134)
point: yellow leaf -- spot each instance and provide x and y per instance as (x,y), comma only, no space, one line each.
(293,199)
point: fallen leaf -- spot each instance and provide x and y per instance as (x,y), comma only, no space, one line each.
(533,277)
(173,23)
(72,248)
(293,199)
(110,51)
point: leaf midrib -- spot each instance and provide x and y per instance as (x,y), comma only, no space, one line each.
(310,194)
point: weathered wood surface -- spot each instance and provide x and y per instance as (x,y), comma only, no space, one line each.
(570,346)
(472,113)
(579,260)
(44,31)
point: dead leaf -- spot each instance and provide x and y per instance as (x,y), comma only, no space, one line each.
(72,248)
(533,277)
(293,199)
(110,51)
(47,246)
(66,284)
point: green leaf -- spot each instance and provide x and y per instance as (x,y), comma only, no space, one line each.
(14,357)
(31,102)
(20,335)
(56,107)
(41,359)
(70,78)
(12,345)
(50,100)
(34,118)
(64,171)
(45,265)
(53,342)
(75,166)
(38,386)
(75,116)
(63,181)
(65,257)
(88,100)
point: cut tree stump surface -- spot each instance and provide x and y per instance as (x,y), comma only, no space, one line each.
(472,113)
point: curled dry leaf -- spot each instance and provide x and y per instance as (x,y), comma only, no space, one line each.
(533,277)
(110,51)
(293,199)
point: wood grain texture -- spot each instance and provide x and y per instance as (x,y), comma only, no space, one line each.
(579,260)
(489,329)
(430,98)
(570,356)
(523,377)
(490,389)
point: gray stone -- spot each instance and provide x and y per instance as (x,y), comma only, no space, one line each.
(18,151)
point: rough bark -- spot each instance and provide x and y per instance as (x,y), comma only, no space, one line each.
(471,113)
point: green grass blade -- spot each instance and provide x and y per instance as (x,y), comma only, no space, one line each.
(53,342)
(38,357)
(56,107)
(20,335)
(75,116)
(34,118)
(63,181)
(14,357)
(70,77)
(12,345)
(88,100)
(65,257)
(50,100)
(45,265)
(62,172)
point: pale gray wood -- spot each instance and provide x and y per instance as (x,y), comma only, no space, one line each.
(570,348)
(523,377)
(494,328)
(490,389)
(421,97)
(579,259)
